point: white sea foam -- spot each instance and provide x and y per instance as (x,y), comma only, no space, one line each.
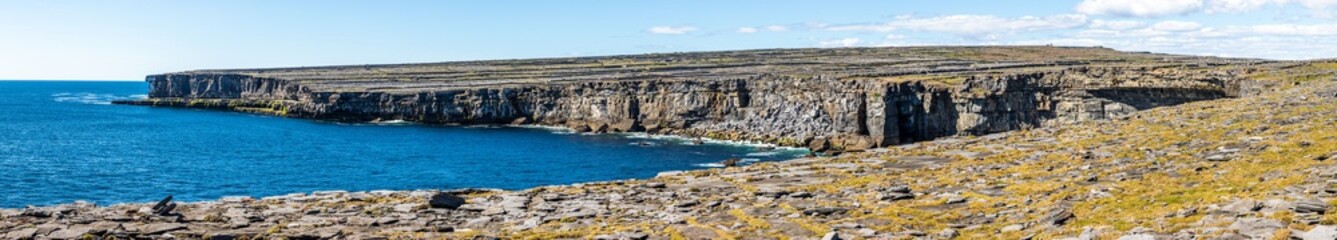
(553,129)
(709,165)
(689,140)
(777,150)
(482,126)
(391,122)
(763,154)
(643,143)
(90,98)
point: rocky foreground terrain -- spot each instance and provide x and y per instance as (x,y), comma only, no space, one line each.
(1257,163)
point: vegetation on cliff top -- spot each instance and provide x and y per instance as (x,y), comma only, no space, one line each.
(851,63)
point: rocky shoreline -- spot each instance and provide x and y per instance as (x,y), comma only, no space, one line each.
(1246,168)
(934,143)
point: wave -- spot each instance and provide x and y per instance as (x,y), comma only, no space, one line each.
(763,154)
(93,98)
(677,139)
(482,126)
(395,122)
(553,129)
(709,165)
(744,161)
(688,140)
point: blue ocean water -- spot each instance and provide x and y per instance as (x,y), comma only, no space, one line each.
(62,141)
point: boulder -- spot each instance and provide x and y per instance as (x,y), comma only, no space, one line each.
(819,145)
(831,236)
(859,144)
(1059,216)
(732,162)
(894,193)
(899,189)
(1321,232)
(948,234)
(823,211)
(772,192)
(1217,157)
(1326,156)
(1310,206)
(164,207)
(894,196)
(1256,228)
(445,200)
(1241,207)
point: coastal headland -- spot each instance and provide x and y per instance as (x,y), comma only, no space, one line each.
(1028,142)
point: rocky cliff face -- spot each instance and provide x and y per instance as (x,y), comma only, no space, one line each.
(835,110)
(791,111)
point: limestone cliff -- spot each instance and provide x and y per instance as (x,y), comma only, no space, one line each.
(839,99)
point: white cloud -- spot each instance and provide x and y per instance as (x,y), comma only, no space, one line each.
(1291,29)
(846,42)
(1176,26)
(1139,8)
(1237,6)
(1314,4)
(1159,8)
(973,25)
(768,28)
(1273,41)
(1115,25)
(671,30)
(1320,8)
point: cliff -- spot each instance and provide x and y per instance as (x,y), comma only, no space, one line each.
(827,99)
(1258,166)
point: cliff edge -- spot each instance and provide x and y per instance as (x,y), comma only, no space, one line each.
(846,99)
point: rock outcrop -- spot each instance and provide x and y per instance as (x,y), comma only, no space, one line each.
(851,99)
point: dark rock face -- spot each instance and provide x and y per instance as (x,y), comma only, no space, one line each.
(840,111)
(445,200)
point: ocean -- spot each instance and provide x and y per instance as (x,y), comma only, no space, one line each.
(62,141)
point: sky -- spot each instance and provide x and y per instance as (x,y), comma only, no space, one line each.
(125,40)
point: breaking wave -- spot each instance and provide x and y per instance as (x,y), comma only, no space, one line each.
(93,98)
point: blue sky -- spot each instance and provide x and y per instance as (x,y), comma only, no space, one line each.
(125,40)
